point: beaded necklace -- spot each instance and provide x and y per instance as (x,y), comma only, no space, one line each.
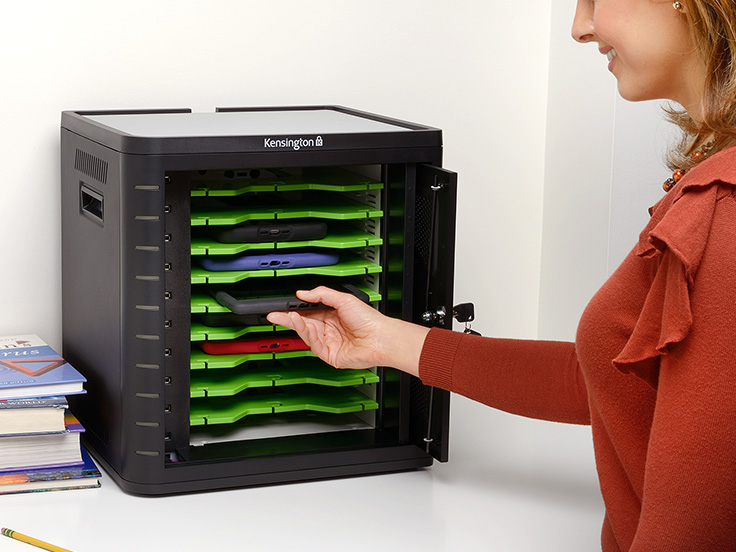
(697,156)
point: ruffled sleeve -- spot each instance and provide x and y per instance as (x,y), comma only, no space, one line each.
(675,240)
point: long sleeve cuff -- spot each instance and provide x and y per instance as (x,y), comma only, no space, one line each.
(438,356)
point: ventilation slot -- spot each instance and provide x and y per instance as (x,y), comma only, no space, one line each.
(92,166)
(423,229)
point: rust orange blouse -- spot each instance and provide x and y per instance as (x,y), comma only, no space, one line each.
(652,370)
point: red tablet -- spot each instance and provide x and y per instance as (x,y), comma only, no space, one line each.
(254,345)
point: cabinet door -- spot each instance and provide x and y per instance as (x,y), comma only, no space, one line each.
(434,265)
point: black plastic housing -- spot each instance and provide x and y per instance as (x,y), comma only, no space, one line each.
(126,287)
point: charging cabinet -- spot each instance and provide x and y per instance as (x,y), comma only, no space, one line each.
(178,228)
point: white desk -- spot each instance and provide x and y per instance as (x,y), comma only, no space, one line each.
(526,495)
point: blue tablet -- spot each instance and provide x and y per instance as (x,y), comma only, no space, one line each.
(264,261)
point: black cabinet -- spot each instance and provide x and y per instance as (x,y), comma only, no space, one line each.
(181,229)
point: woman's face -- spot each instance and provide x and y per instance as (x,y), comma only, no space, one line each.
(649,48)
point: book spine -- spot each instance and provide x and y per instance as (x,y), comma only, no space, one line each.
(45,402)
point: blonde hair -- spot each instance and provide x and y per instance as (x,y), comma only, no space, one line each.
(713,27)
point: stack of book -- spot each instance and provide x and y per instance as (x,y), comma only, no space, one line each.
(40,448)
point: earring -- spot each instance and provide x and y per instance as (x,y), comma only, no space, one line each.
(677,5)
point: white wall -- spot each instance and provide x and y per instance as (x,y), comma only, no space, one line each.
(605,167)
(641,139)
(577,178)
(475,69)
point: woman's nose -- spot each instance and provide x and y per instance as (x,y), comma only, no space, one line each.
(582,24)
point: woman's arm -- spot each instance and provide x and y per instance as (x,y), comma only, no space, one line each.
(539,379)
(536,379)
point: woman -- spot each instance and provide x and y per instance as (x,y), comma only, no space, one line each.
(653,367)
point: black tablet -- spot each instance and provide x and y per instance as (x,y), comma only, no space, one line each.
(229,319)
(273,231)
(250,303)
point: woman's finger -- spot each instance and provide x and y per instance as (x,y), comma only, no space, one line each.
(324,295)
(280,319)
(297,323)
(307,330)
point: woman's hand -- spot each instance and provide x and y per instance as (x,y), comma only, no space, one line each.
(353,334)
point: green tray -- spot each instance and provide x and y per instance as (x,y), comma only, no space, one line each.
(202,332)
(199,360)
(355,266)
(333,179)
(343,239)
(211,411)
(334,209)
(226,383)
(204,303)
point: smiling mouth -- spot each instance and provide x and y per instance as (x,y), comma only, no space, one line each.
(611,54)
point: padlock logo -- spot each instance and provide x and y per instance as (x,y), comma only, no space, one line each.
(318,142)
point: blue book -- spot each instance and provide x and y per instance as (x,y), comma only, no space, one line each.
(83,475)
(30,368)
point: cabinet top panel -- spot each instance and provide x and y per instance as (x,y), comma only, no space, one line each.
(260,129)
(243,123)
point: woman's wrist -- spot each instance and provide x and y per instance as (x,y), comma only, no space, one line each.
(402,345)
